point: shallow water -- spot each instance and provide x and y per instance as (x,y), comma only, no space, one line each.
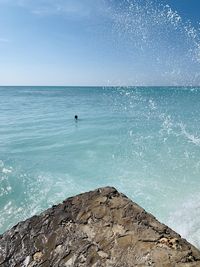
(144,141)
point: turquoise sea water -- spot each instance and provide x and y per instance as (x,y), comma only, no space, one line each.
(144,141)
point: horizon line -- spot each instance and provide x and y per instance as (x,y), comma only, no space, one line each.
(100,85)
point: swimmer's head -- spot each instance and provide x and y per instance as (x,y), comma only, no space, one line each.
(76,117)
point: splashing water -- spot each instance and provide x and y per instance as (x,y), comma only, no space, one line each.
(157,42)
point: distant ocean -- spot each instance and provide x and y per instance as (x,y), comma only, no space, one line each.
(145,141)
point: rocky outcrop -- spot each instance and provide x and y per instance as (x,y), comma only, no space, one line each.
(99,228)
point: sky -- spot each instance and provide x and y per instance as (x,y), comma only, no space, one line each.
(99,42)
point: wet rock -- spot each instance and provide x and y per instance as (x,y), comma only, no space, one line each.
(99,228)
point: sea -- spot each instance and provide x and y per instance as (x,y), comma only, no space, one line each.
(144,141)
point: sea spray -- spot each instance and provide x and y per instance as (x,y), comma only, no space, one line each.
(158,41)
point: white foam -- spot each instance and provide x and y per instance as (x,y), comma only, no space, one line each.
(186,219)
(5,170)
(190,137)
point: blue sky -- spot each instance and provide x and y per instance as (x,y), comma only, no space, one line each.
(99,42)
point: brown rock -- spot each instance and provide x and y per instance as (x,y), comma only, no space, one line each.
(102,228)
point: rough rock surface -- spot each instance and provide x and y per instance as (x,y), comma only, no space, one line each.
(99,228)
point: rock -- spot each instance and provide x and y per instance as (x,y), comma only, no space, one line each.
(98,228)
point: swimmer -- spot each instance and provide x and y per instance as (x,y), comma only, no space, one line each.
(76,117)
